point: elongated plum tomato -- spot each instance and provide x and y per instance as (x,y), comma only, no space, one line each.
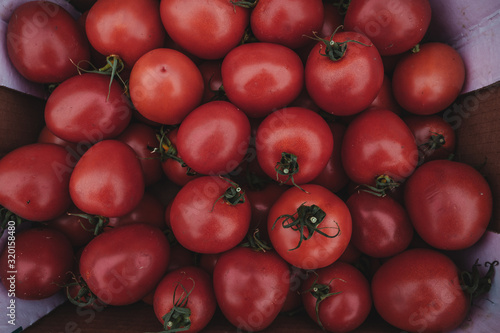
(165,85)
(44,42)
(107,180)
(34,180)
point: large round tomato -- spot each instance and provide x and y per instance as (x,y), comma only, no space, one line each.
(309,227)
(262,77)
(213,139)
(165,85)
(35,181)
(419,291)
(251,287)
(428,81)
(107,180)
(393,26)
(124,264)
(344,73)
(293,145)
(449,204)
(35,262)
(85,108)
(207,29)
(44,42)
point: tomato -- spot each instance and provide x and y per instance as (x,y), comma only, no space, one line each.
(369,150)
(385,98)
(380,225)
(428,81)
(344,73)
(309,227)
(142,138)
(293,145)
(208,29)
(293,299)
(84,109)
(184,299)
(212,78)
(262,77)
(124,264)
(210,214)
(35,181)
(449,204)
(213,139)
(165,85)
(75,149)
(180,257)
(435,137)
(286,22)
(149,210)
(34,263)
(79,230)
(126,28)
(44,42)
(251,287)
(107,180)
(393,26)
(419,291)
(337,297)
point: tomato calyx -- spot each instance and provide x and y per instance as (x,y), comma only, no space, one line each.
(436,141)
(341,5)
(98,222)
(167,150)
(6,219)
(335,51)
(233,195)
(383,183)
(178,319)
(255,242)
(476,285)
(308,218)
(245,4)
(287,166)
(85,297)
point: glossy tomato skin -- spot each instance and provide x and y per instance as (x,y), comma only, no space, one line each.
(35,181)
(262,77)
(251,287)
(42,259)
(385,98)
(213,139)
(381,227)
(126,28)
(80,109)
(208,29)
(286,22)
(44,42)
(370,150)
(204,222)
(419,291)
(200,301)
(428,81)
(393,26)
(346,86)
(165,85)
(108,180)
(297,131)
(124,264)
(318,250)
(344,311)
(449,204)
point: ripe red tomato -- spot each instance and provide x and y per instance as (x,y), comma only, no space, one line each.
(343,76)
(126,28)
(385,98)
(149,210)
(213,139)
(77,229)
(44,42)
(428,81)
(210,214)
(309,227)
(369,150)
(75,149)
(251,287)
(337,297)
(165,85)
(85,108)
(262,77)
(124,264)
(206,29)
(108,180)
(449,204)
(40,258)
(35,181)
(381,227)
(393,26)
(293,145)
(212,77)
(419,291)
(184,299)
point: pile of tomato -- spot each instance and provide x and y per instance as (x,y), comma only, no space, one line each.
(256,157)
